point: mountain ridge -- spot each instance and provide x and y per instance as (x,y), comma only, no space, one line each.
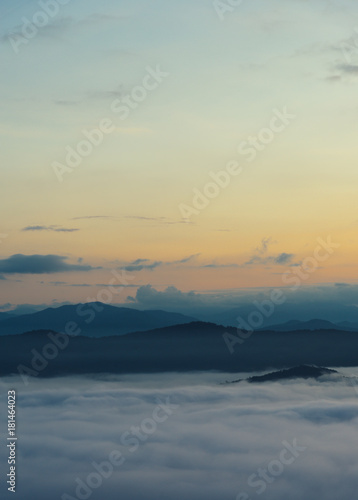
(313,324)
(94,319)
(194,346)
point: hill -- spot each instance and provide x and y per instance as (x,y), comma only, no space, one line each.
(313,324)
(189,347)
(297,372)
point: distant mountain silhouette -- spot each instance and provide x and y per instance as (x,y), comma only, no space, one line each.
(347,325)
(94,319)
(335,313)
(4,316)
(195,346)
(302,371)
(313,324)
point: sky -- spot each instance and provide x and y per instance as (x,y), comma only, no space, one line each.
(197,146)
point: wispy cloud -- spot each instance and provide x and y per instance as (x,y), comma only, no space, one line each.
(149,265)
(94,217)
(280,259)
(343,72)
(140,267)
(260,256)
(144,218)
(160,220)
(219,266)
(108,94)
(53,29)
(57,27)
(186,259)
(56,229)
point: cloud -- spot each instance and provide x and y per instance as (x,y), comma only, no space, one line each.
(108,94)
(54,29)
(215,439)
(280,259)
(66,102)
(94,217)
(57,27)
(260,256)
(260,251)
(171,298)
(219,266)
(283,258)
(57,229)
(186,259)
(348,68)
(81,285)
(265,243)
(330,302)
(160,220)
(39,264)
(344,72)
(140,261)
(148,267)
(157,220)
(146,264)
